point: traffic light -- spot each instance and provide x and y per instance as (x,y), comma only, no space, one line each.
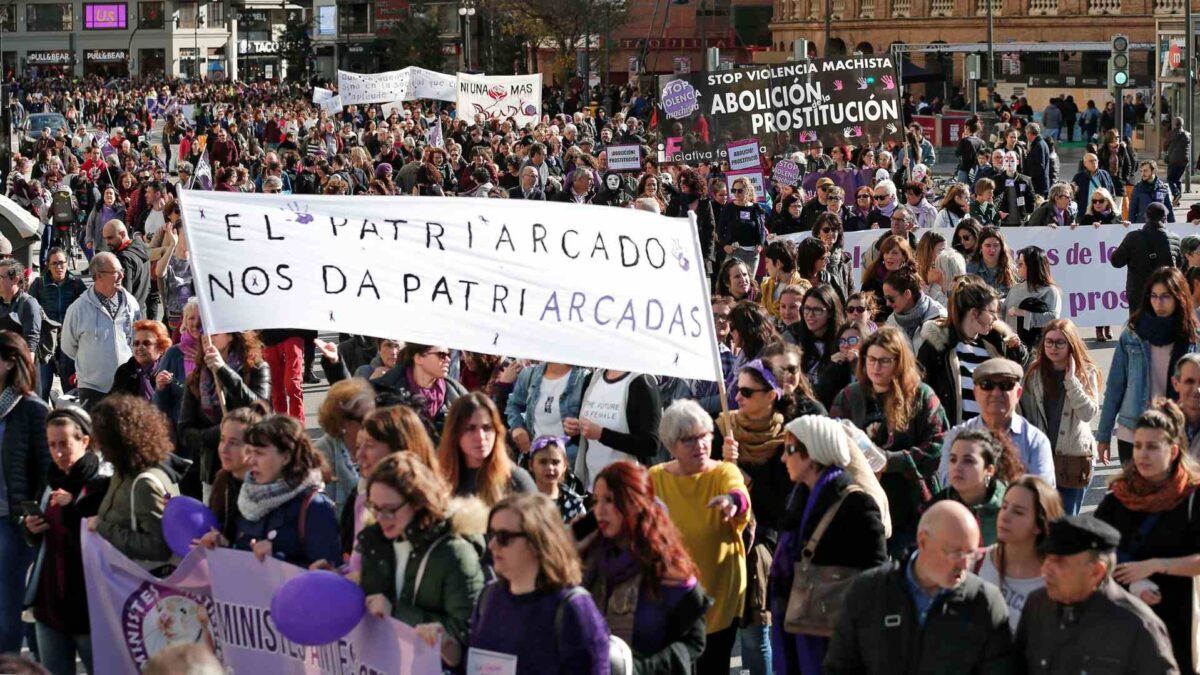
(1118,63)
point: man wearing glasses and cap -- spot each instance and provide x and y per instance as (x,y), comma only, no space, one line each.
(1083,621)
(998,392)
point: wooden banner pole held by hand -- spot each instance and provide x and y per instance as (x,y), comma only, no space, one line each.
(206,342)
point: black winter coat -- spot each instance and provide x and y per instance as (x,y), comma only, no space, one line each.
(1143,251)
(24,453)
(939,361)
(966,630)
(199,435)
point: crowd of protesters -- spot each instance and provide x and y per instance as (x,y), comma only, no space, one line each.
(889,479)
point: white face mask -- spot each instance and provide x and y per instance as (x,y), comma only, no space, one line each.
(613,182)
(1010,165)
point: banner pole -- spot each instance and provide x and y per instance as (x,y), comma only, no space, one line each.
(712,329)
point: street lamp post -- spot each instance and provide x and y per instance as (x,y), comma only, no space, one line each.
(991,64)
(467,10)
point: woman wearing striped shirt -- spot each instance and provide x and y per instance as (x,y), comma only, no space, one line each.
(953,346)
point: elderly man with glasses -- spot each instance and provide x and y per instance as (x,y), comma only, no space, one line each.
(98,329)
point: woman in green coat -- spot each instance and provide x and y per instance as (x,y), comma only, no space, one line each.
(440,542)
(981,467)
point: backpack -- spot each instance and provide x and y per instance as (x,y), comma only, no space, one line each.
(61,208)
(620,656)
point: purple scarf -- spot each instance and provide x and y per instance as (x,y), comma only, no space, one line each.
(435,395)
(787,550)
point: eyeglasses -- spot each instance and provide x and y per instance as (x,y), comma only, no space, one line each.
(1057,344)
(855,309)
(828,230)
(720,318)
(504,537)
(143,343)
(1099,201)
(696,440)
(814,311)
(58,263)
(441,356)
(747,392)
(792,448)
(864,196)
(849,341)
(738,191)
(385,512)
(789,368)
(881,198)
(882,361)
(968,557)
(1002,385)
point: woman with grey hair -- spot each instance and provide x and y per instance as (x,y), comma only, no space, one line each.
(1056,210)
(947,266)
(709,503)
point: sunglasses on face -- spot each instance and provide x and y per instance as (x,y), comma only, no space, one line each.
(504,537)
(720,318)
(849,341)
(828,230)
(881,198)
(1002,385)
(441,356)
(792,448)
(143,343)
(855,309)
(747,392)
(863,197)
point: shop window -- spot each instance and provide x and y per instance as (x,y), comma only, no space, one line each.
(109,16)
(42,18)
(327,21)
(8,18)
(151,15)
(355,19)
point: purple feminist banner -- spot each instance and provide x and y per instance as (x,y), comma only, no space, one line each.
(222,599)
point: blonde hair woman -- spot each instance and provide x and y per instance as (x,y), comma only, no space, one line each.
(742,224)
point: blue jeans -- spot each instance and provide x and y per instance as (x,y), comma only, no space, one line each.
(60,365)
(1072,499)
(964,177)
(58,650)
(15,558)
(756,649)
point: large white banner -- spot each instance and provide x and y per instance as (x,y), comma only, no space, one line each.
(222,599)
(1093,291)
(407,84)
(586,285)
(488,97)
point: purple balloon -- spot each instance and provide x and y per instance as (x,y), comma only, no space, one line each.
(184,520)
(338,602)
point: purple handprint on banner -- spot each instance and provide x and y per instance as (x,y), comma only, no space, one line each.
(862,83)
(888,82)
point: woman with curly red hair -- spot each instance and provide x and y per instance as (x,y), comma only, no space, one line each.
(641,576)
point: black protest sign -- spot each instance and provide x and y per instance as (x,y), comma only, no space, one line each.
(847,101)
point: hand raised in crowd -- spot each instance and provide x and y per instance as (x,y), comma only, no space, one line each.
(511,371)
(262,549)
(163,379)
(729,450)
(590,429)
(211,540)
(328,350)
(571,426)
(727,506)
(521,438)
(212,358)
(36,524)
(379,606)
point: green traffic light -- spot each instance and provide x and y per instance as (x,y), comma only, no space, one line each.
(1120,79)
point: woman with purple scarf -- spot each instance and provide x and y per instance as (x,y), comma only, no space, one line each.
(817,454)
(423,370)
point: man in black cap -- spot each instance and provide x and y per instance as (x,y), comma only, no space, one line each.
(1083,621)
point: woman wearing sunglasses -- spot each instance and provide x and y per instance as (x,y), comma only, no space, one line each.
(966,237)
(423,370)
(752,437)
(1101,209)
(843,366)
(420,559)
(904,418)
(862,306)
(1161,330)
(1062,396)
(535,610)
(641,576)
(981,468)
(707,500)
(839,268)
(860,210)
(742,225)
(818,455)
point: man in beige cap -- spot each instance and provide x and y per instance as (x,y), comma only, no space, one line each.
(817,206)
(998,392)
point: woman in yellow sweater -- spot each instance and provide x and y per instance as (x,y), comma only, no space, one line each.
(781,272)
(709,503)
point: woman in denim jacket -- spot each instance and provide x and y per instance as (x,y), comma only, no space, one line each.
(1161,330)
(529,414)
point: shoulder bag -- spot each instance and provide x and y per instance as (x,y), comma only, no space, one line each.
(818,591)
